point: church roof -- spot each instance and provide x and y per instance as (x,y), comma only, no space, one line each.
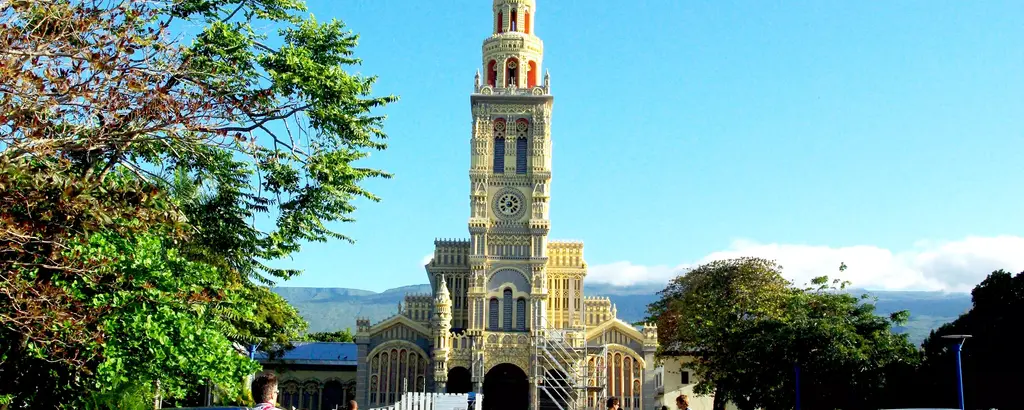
(324,353)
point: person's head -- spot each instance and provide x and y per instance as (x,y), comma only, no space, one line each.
(682,401)
(352,405)
(264,388)
(613,403)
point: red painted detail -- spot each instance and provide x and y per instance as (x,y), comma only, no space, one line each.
(526,22)
(523,124)
(500,25)
(492,73)
(531,76)
(515,19)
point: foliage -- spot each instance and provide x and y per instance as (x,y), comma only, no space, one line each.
(133,169)
(749,330)
(701,311)
(225,239)
(344,336)
(991,358)
(846,354)
(53,292)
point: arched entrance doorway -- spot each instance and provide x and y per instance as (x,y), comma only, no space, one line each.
(506,388)
(333,395)
(460,380)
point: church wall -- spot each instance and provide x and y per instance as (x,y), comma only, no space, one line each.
(508,275)
(613,336)
(671,380)
(399,332)
(362,373)
(313,389)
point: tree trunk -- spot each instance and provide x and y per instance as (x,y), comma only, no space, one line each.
(156,395)
(719,403)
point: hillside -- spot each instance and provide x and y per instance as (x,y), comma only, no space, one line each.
(328,309)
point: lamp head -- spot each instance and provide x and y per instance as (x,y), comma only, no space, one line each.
(956,337)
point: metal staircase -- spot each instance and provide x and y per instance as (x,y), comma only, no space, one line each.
(563,370)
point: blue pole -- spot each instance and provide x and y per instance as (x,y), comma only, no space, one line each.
(960,374)
(796,368)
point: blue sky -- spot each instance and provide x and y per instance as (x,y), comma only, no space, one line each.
(886,135)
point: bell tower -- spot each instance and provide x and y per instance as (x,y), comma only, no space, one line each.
(510,175)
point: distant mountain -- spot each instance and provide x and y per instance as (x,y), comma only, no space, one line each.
(329,309)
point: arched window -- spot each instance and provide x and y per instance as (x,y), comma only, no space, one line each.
(311,395)
(627,377)
(500,25)
(512,73)
(499,146)
(522,153)
(624,374)
(520,314)
(507,296)
(531,75)
(526,22)
(515,15)
(290,394)
(393,372)
(492,316)
(636,394)
(492,73)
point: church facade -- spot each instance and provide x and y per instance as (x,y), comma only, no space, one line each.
(508,317)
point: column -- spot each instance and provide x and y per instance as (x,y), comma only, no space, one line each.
(534,404)
(650,384)
(362,376)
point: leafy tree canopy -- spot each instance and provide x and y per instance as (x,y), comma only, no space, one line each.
(344,336)
(134,168)
(748,329)
(991,358)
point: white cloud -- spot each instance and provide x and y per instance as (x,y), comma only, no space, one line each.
(954,266)
(426,259)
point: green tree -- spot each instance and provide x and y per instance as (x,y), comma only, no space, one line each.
(702,311)
(344,336)
(105,121)
(749,330)
(991,359)
(848,356)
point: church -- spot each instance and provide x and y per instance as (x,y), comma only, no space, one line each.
(508,317)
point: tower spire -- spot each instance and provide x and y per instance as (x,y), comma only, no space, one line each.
(513,53)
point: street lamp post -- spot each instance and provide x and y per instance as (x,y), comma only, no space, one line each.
(959,368)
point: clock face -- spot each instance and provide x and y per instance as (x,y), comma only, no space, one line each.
(509,204)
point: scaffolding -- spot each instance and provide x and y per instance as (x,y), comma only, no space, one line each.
(567,371)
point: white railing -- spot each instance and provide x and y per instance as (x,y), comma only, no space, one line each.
(434,401)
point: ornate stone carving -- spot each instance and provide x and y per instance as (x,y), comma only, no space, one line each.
(508,239)
(538,209)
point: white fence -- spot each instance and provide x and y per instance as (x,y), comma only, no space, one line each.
(434,401)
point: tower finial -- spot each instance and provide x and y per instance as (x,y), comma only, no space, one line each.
(442,290)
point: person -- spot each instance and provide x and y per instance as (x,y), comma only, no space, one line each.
(352,405)
(683,402)
(664,407)
(613,403)
(264,391)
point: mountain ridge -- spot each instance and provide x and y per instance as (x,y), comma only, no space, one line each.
(331,309)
